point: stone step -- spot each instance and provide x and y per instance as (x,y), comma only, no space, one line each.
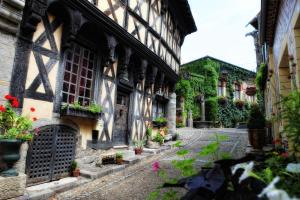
(46,190)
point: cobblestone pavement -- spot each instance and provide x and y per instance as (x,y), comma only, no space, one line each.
(136,182)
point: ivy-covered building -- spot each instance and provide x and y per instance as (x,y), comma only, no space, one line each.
(214,92)
(73,57)
(278,33)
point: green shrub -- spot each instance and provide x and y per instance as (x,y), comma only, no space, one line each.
(261,77)
(256,118)
(158,138)
(211,109)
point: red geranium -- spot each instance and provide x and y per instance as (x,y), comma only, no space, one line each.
(34,119)
(8,97)
(15,103)
(32,109)
(2,108)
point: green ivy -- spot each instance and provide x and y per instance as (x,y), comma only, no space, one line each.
(203,79)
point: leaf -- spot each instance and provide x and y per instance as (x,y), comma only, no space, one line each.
(170,195)
(153,195)
(178,144)
(182,152)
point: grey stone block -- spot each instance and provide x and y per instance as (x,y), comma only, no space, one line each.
(12,187)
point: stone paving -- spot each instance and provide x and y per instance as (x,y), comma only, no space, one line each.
(137,181)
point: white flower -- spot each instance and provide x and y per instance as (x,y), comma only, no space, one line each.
(293,167)
(248,169)
(273,193)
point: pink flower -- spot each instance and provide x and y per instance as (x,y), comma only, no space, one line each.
(285,155)
(37,131)
(155,166)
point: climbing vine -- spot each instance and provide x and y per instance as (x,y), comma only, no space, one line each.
(201,77)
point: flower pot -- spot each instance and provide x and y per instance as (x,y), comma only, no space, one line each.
(138,151)
(76,173)
(10,154)
(256,138)
(119,161)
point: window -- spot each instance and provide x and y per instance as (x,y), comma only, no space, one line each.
(78,75)
(221,88)
(158,109)
(237,91)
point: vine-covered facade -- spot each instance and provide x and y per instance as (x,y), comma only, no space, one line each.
(95,72)
(225,90)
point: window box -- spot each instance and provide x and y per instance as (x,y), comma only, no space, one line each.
(82,113)
(159,124)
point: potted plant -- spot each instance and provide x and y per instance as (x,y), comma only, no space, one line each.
(14,130)
(158,138)
(74,169)
(119,158)
(256,127)
(160,122)
(222,100)
(239,103)
(149,133)
(139,145)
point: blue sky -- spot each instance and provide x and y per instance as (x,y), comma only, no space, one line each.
(221,31)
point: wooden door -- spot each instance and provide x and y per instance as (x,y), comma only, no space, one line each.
(121,119)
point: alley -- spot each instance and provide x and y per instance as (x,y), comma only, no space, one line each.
(136,182)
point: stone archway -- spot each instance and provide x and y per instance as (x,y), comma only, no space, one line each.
(50,154)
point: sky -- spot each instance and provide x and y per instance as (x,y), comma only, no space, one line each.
(221,31)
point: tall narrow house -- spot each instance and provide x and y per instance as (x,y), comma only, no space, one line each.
(75,55)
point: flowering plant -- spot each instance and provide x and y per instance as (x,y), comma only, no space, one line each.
(13,125)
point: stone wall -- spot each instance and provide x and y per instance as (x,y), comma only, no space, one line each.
(10,18)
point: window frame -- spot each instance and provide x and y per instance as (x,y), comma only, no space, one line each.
(95,73)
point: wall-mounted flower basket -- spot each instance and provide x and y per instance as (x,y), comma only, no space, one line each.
(251,91)
(222,101)
(82,113)
(157,124)
(239,104)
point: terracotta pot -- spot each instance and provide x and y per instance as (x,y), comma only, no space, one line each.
(138,151)
(76,173)
(119,161)
(257,138)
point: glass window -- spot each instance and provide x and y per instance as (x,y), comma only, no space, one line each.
(78,75)
(158,109)
(237,91)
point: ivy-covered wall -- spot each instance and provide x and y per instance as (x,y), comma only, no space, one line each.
(201,77)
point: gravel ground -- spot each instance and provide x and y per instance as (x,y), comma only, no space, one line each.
(136,182)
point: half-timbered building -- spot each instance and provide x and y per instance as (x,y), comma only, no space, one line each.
(121,54)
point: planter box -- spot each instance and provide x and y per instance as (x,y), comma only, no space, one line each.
(69,111)
(159,124)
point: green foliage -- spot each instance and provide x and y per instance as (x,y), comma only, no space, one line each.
(186,166)
(290,113)
(276,166)
(182,152)
(256,118)
(13,125)
(119,155)
(204,76)
(139,143)
(93,107)
(160,120)
(211,111)
(158,138)
(74,165)
(261,77)
(212,150)
(149,132)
